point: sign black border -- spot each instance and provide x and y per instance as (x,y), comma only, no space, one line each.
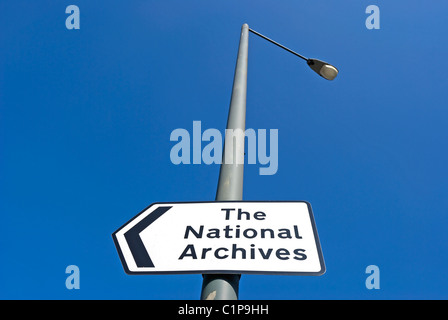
(313,224)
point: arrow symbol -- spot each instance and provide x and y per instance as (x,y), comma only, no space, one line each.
(135,242)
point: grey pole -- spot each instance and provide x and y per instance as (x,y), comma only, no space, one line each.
(230,183)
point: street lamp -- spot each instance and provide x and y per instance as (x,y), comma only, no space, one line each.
(322,68)
(230,183)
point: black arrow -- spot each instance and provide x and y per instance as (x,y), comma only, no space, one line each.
(134,241)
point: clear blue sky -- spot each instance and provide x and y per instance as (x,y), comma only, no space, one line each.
(86,117)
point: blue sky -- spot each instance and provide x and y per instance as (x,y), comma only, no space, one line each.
(86,117)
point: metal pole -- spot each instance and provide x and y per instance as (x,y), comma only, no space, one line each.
(230,183)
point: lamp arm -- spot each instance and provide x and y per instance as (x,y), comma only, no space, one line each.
(278,44)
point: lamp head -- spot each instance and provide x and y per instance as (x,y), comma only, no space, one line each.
(323,69)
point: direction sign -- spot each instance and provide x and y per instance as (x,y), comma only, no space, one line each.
(222,237)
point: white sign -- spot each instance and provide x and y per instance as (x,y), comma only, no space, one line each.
(222,237)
